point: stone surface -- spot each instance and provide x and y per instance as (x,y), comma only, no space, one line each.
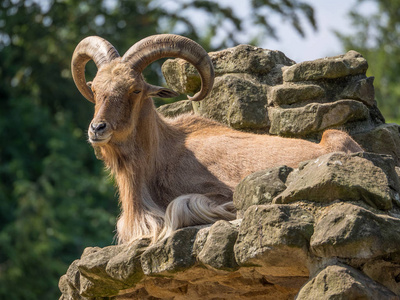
(360,89)
(343,283)
(386,140)
(288,94)
(67,290)
(349,231)
(248,59)
(352,63)
(315,117)
(183,77)
(260,188)
(347,177)
(236,100)
(125,266)
(95,279)
(218,251)
(275,237)
(72,277)
(385,272)
(171,255)
(176,108)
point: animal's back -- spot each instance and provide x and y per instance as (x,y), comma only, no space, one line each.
(231,155)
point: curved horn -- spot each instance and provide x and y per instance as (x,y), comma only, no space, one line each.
(152,48)
(95,48)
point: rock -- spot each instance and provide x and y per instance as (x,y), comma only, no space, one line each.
(386,140)
(376,116)
(248,59)
(182,76)
(290,93)
(171,255)
(166,288)
(260,188)
(347,177)
(218,248)
(125,266)
(236,100)
(388,166)
(352,63)
(275,238)
(175,109)
(360,89)
(94,279)
(201,238)
(90,250)
(66,289)
(343,283)
(385,272)
(349,231)
(315,117)
(73,275)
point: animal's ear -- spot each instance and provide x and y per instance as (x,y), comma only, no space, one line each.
(89,84)
(161,92)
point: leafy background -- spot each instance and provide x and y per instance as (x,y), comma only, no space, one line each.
(55,197)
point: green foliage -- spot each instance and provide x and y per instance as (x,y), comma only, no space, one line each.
(55,197)
(55,200)
(377,38)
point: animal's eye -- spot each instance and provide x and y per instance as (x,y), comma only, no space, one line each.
(136,91)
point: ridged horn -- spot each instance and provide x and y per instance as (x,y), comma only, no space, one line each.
(155,47)
(91,48)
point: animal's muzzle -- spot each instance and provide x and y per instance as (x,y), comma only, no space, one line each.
(99,132)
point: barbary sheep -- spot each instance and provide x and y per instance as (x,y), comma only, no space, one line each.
(173,173)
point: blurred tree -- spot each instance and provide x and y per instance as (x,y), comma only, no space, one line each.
(55,199)
(377,38)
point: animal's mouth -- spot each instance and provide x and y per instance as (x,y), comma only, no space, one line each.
(96,140)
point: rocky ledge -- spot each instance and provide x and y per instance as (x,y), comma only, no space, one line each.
(329,229)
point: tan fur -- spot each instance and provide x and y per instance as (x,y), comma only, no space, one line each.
(181,172)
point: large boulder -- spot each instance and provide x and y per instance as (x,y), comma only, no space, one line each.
(350,231)
(260,188)
(217,251)
(351,63)
(340,282)
(370,178)
(243,59)
(386,140)
(315,117)
(275,238)
(291,93)
(237,101)
(171,255)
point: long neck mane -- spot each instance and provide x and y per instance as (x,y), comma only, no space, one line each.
(134,163)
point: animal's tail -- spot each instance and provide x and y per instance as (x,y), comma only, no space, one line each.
(194,209)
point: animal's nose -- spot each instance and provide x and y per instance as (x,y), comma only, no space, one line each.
(98,127)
